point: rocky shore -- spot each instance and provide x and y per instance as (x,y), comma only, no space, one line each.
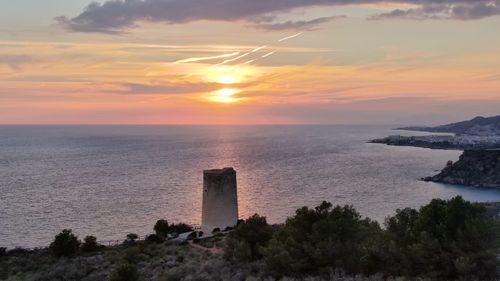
(478,168)
(462,142)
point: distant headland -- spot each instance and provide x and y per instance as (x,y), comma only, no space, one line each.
(478,126)
(477,133)
(478,166)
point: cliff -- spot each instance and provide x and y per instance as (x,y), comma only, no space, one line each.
(479,126)
(479,168)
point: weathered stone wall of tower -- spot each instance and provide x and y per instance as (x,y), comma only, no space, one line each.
(220,199)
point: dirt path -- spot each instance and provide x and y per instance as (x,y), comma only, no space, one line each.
(213,250)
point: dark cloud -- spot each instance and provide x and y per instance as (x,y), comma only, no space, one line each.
(115,16)
(461,10)
(297,25)
(15,62)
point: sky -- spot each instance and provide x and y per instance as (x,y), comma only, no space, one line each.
(411,62)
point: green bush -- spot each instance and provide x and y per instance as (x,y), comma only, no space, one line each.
(161,228)
(65,244)
(90,244)
(154,238)
(124,272)
(131,255)
(246,241)
(179,228)
(277,259)
(321,238)
(443,240)
(131,239)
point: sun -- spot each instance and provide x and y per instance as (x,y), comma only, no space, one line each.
(231,80)
(226,79)
(225,95)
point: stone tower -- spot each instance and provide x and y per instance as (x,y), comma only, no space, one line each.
(220,199)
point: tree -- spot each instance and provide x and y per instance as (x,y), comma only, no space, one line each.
(90,244)
(246,241)
(277,259)
(161,228)
(132,237)
(179,228)
(130,240)
(317,239)
(153,238)
(443,240)
(65,244)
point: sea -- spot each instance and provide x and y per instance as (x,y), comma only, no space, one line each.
(109,181)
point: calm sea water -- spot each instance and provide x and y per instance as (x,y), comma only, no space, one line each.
(108,181)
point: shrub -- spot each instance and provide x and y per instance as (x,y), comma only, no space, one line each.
(179,228)
(153,238)
(244,243)
(215,230)
(161,228)
(17,251)
(130,240)
(3,250)
(237,250)
(321,238)
(443,240)
(90,244)
(277,259)
(131,255)
(124,272)
(65,244)
(132,237)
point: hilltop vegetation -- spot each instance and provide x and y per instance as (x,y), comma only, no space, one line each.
(444,240)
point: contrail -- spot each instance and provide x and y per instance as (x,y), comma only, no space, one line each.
(258,49)
(207,58)
(234,59)
(268,54)
(290,37)
(243,55)
(261,57)
(237,53)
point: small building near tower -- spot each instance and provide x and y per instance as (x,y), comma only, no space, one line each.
(220,199)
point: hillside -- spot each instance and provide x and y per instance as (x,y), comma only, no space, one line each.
(479,126)
(322,243)
(480,168)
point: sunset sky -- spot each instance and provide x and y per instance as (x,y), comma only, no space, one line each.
(248,62)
